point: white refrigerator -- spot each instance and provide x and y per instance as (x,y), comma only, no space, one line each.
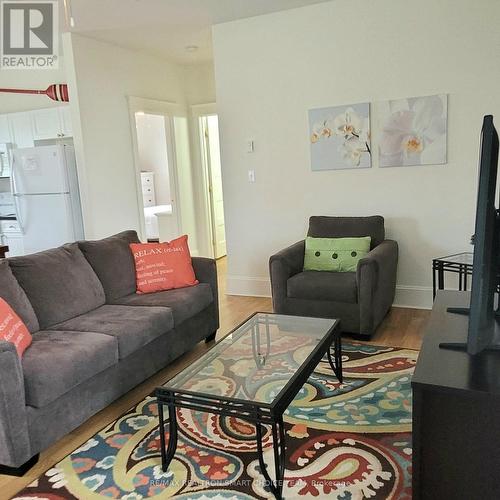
(44,185)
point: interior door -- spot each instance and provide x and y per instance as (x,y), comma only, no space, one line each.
(215,186)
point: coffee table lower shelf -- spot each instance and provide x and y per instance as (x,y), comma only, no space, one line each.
(258,414)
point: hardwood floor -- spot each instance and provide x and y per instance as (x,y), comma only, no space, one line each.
(402,327)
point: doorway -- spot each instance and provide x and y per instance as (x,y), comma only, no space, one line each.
(162,161)
(211,163)
(158,183)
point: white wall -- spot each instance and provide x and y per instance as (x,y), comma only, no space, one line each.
(271,69)
(153,154)
(101,76)
(199,83)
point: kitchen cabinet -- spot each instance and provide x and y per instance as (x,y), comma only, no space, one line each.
(15,244)
(52,123)
(65,119)
(22,129)
(46,124)
(11,235)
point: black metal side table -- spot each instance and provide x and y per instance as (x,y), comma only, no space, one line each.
(459,263)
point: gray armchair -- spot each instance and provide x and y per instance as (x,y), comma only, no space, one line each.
(361,299)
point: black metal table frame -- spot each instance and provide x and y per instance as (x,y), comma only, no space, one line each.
(257,413)
(440,265)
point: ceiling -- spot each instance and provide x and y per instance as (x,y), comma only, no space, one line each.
(166,27)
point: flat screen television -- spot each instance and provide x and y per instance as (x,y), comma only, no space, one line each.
(485,267)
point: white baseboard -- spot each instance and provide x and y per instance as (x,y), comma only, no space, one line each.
(415,297)
(248,286)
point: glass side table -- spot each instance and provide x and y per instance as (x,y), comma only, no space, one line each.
(459,263)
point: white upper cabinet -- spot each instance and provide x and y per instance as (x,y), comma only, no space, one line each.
(5,135)
(65,120)
(22,129)
(52,123)
(46,123)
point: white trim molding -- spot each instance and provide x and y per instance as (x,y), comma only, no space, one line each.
(414,297)
(248,286)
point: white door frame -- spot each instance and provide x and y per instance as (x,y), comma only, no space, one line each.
(168,110)
(198,111)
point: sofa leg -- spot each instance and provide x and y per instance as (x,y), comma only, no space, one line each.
(21,470)
(210,338)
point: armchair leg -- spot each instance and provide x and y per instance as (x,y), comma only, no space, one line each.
(21,470)
(211,337)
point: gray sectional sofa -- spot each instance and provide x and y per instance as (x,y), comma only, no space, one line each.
(94,338)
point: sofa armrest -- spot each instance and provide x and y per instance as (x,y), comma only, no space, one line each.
(15,447)
(205,270)
(282,266)
(376,280)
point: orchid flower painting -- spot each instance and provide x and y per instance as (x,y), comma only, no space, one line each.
(413,131)
(340,137)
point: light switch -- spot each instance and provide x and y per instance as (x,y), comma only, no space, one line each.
(250,146)
(251,176)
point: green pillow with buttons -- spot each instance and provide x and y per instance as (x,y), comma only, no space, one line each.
(335,254)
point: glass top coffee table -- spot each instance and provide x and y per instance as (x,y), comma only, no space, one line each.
(230,379)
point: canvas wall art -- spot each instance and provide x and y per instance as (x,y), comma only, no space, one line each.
(340,137)
(413,131)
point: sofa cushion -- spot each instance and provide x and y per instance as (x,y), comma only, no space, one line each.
(184,302)
(133,327)
(113,263)
(60,283)
(58,361)
(15,296)
(319,285)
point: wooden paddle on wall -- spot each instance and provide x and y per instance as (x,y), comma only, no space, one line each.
(57,92)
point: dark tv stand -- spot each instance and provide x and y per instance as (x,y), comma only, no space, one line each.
(456,408)
(462,346)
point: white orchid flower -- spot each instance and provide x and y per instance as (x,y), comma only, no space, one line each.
(347,124)
(351,151)
(319,130)
(414,136)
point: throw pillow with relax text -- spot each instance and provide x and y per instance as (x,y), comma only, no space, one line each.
(163,266)
(12,328)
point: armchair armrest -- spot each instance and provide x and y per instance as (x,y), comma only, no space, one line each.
(205,270)
(282,266)
(376,280)
(15,446)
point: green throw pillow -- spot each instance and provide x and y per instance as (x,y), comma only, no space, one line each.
(335,254)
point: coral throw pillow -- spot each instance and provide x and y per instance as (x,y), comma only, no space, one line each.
(12,328)
(163,266)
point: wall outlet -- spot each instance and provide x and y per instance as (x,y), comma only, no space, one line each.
(251,176)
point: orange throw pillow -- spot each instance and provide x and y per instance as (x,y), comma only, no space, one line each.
(12,328)
(163,266)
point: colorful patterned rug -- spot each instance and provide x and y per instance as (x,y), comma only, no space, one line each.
(349,442)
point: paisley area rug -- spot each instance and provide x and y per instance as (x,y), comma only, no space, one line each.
(345,441)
